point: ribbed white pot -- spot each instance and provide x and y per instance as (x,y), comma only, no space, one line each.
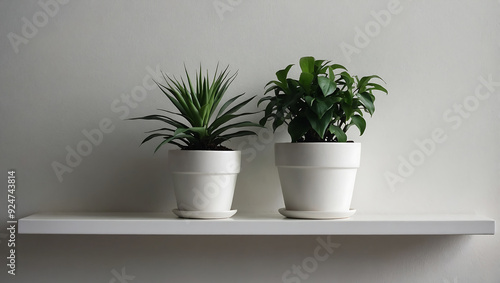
(317,176)
(204,180)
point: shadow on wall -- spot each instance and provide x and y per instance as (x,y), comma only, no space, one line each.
(133,185)
(276,258)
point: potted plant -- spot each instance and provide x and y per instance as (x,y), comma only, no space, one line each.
(318,168)
(203,170)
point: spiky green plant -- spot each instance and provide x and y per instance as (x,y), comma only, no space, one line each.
(196,126)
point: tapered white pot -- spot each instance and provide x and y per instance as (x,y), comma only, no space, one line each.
(317,176)
(204,181)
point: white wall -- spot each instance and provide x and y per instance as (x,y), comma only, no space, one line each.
(73,71)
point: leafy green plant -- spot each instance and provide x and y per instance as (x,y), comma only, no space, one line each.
(197,125)
(322,104)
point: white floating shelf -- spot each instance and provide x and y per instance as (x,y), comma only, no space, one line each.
(254,224)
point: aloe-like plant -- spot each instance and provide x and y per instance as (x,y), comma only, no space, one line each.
(322,104)
(196,126)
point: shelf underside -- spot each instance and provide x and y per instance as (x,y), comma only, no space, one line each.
(254,224)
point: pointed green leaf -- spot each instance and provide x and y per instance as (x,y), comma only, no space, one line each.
(160,145)
(225,105)
(152,136)
(348,110)
(264,99)
(263,121)
(365,80)
(377,87)
(224,138)
(234,126)
(201,131)
(339,134)
(337,66)
(171,112)
(359,122)
(331,100)
(271,88)
(349,81)
(278,84)
(278,121)
(236,107)
(225,118)
(180,131)
(181,137)
(330,73)
(305,80)
(320,125)
(281,74)
(348,96)
(307,64)
(162,118)
(320,107)
(367,102)
(162,129)
(327,85)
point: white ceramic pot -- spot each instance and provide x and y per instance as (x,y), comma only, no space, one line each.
(204,180)
(317,176)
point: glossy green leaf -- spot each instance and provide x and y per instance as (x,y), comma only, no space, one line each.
(152,136)
(339,134)
(277,123)
(331,100)
(265,99)
(225,105)
(337,66)
(237,107)
(307,64)
(170,139)
(327,85)
(348,110)
(331,73)
(305,80)
(161,130)
(234,126)
(282,74)
(359,122)
(263,121)
(272,88)
(320,125)
(224,138)
(226,118)
(377,87)
(162,118)
(349,81)
(320,107)
(279,84)
(367,102)
(364,81)
(171,112)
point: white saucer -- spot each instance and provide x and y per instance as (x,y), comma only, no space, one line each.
(204,214)
(316,214)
